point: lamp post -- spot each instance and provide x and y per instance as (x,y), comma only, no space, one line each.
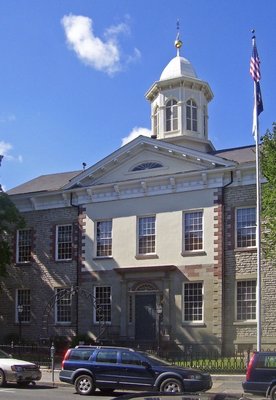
(159,311)
(19,313)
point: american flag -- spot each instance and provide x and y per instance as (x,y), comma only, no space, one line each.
(255,70)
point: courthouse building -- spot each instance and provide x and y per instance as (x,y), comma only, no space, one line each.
(154,245)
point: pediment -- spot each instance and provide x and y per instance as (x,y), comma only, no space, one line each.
(145,158)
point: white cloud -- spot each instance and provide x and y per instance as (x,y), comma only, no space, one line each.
(137,131)
(103,55)
(7,118)
(5,150)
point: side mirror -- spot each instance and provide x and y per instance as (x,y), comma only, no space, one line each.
(145,364)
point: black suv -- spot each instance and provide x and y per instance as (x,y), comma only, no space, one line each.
(261,374)
(110,368)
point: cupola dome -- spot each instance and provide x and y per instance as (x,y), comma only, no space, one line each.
(177,67)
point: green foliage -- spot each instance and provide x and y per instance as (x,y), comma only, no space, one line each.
(268,166)
(10,219)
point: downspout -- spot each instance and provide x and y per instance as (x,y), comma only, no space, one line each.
(223,251)
(78,263)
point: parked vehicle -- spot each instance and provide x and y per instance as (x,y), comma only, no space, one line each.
(261,374)
(17,371)
(111,368)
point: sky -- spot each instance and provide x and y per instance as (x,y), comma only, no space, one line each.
(74,73)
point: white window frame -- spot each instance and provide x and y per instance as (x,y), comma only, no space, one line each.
(171,115)
(191,120)
(156,121)
(246,299)
(246,227)
(189,212)
(57,258)
(27,245)
(108,238)
(192,321)
(141,236)
(105,303)
(66,321)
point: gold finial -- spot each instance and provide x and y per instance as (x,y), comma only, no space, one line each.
(177,43)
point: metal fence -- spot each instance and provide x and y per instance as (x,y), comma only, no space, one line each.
(40,355)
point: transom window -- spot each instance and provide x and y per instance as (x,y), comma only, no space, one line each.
(146,242)
(191,115)
(23,305)
(104,238)
(246,300)
(193,302)
(103,302)
(64,236)
(246,227)
(193,231)
(147,165)
(23,245)
(63,305)
(171,115)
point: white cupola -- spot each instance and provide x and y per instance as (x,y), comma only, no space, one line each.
(179,104)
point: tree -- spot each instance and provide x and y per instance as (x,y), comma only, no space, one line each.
(268,166)
(10,220)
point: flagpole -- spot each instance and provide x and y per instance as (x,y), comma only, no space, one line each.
(258,203)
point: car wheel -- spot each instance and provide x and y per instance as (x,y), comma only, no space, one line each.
(2,378)
(171,385)
(273,393)
(85,385)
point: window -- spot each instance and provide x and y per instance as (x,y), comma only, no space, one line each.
(63,305)
(130,358)
(193,302)
(246,300)
(147,165)
(146,244)
(64,242)
(171,116)
(23,305)
(103,303)
(193,231)
(23,245)
(156,121)
(104,238)
(191,115)
(107,356)
(246,227)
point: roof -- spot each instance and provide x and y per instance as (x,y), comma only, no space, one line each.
(57,181)
(45,183)
(177,67)
(238,154)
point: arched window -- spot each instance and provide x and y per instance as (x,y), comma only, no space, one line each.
(147,165)
(156,121)
(191,115)
(171,115)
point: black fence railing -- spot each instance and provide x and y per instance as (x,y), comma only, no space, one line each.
(203,360)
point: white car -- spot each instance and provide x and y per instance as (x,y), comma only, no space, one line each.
(17,371)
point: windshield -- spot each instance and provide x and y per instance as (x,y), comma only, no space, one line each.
(153,359)
(3,354)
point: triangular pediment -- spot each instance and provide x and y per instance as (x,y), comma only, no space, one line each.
(144,158)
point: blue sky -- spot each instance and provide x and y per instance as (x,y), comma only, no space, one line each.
(65,101)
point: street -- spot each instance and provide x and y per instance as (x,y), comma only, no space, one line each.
(46,389)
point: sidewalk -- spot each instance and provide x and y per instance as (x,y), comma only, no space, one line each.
(221,383)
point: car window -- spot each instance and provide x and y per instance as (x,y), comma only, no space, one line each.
(80,355)
(270,361)
(106,356)
(130,358)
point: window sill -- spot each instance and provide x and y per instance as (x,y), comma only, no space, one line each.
(193,253)
(102,258)
(146,256)
(63,323)
(245,249)
(194,324)
(64,261)
(245,323)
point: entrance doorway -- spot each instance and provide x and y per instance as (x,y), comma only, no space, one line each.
(145,317)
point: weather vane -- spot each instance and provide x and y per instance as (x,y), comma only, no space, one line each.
(178,43)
